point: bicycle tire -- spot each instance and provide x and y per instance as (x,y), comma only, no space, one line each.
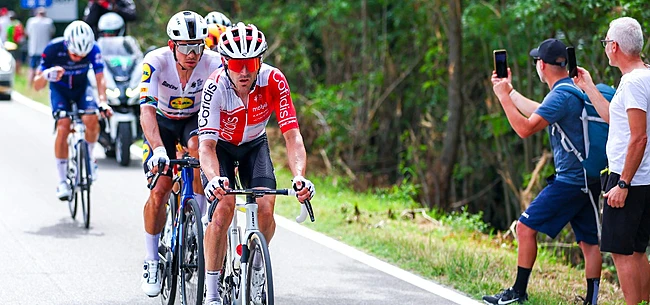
(255,242)
(191,256)
(83,161)
(72,180)
(169,259)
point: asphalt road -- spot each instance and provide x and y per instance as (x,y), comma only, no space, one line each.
(47,258)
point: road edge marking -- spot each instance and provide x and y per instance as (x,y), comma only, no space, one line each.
(374,262)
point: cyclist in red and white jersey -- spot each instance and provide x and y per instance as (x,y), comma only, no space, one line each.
(237,102)
(170,93)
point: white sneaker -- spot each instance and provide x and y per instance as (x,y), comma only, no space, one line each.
(151,278)
(257,286)
(215,302)
(63,191)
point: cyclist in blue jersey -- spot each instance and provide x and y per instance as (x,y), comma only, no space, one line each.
(64,64)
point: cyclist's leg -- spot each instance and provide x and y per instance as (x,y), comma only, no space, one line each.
(87,102)
(154,210)
(59,102)
(256,171)
(215,238)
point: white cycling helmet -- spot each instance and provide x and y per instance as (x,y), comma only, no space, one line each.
(111,23)
(79,38)
(218,18)
(187,25)
(242,41)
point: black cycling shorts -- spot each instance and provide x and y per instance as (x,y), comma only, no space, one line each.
(171,132)
(626,230)
(255,165)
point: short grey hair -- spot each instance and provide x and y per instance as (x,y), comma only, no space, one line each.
(628,35)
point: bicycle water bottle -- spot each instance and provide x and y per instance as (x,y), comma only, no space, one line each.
(237,253)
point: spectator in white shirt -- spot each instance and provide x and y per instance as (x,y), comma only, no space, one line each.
(39,32)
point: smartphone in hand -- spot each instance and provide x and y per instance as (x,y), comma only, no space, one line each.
(572,64)
(501,63)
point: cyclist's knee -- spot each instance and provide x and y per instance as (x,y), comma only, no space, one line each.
(63,125)
(193,146)
(91,121)
(160,193)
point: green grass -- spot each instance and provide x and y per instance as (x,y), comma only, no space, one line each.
(453,251)
(21,86)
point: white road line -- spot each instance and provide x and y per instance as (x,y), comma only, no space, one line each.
(374,262)
(136,152)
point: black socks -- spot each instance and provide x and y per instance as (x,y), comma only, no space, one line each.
(522,280)
(592,291)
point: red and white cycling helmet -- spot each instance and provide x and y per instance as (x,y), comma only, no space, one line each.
(79,38)
(187,25)
(242,41)
(217,18)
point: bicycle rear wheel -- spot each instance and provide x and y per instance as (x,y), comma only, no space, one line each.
(167,257)
(83,163)
(259,282)
(191,260)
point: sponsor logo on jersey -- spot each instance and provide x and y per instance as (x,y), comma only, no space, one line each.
(168,85)
(143,90)
(180,102)
(146,152)
(147,70)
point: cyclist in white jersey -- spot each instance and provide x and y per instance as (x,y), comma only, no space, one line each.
(170,93)
(237,102)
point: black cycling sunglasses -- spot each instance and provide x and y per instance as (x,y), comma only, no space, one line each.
(187,48)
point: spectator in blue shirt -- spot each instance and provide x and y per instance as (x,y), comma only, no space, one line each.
(564,199)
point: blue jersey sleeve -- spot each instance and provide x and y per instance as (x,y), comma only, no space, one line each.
(95,57)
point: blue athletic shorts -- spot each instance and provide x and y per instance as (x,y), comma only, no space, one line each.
(61,99)
(560,203)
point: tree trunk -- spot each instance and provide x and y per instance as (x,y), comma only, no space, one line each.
(447,159)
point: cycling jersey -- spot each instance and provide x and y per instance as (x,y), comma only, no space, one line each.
(160,85)
(75,77)
(224,116)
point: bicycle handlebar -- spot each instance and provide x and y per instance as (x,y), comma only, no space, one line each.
(185,162)
(305,207)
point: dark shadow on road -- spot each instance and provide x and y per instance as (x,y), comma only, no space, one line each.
(66,228)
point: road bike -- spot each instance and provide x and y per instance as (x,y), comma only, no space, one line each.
(181,242)
(79,173)
(237,267)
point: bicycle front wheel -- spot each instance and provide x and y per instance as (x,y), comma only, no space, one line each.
(169,259)
(192,263)
(83,163)
(259,280)
(72,180)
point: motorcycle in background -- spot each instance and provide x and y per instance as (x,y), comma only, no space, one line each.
(122,70)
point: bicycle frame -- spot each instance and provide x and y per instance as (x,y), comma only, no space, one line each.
(186,193)
(76,137)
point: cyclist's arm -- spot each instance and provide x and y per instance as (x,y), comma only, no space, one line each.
(208,158)
(296,154)
(101,87)
(149,104)
(39,80)
(209,125)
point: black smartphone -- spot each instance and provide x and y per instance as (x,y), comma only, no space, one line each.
(572,65)
(501,63)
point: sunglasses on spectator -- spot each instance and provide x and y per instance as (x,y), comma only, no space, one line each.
(188,48)
(237,65)
(605,41)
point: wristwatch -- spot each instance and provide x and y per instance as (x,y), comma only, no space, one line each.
(622,184)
